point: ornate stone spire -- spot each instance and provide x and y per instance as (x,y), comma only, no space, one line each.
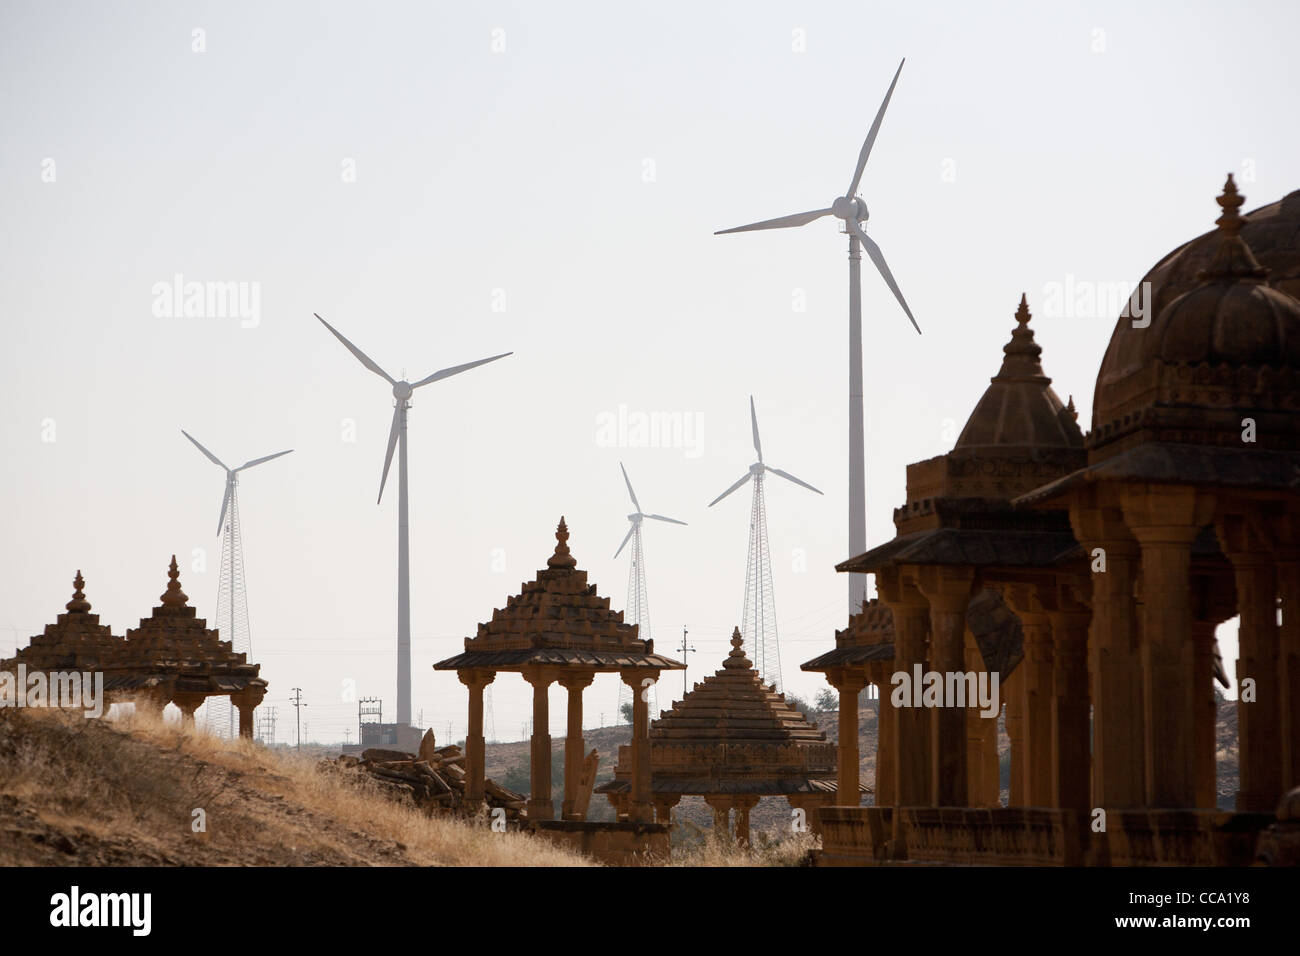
(737,660)
(562,558)
(78,604)
(1233,259)
(174,597)
(1022,361)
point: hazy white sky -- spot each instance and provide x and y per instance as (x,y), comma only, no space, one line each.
(546,178)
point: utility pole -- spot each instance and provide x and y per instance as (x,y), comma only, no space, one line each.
(347,736)
(684,650)
(296,700)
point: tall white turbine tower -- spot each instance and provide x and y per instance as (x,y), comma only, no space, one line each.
(851,209)
(758,619)
(397,438)
(232,600)
(638,597)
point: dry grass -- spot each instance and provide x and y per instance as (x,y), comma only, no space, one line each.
(125,791)
(787,851)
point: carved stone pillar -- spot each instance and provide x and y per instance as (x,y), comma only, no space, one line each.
(721,805)
(574,746)
(1118,755)
(476,680)
(849,682)
(540,806)
(911,725)
(1259,723)
(188,703)
(1071,709)
(983,787)
(879,672)
(743,804)
(1037,690)
(639,805)
(1166,519)
(246,702)
(948,591)
(664,807)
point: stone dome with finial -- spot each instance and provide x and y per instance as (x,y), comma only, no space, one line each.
(1229,342)
(1019,411)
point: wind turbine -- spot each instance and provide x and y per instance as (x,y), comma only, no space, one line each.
(758,619)
(232,612)
(852,210)
(397,438)
(638,598)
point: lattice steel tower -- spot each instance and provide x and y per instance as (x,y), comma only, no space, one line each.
(232,600)
(758,618)
(638,596)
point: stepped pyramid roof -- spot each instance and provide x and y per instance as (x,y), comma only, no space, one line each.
(558,618)
(734,734)
(174,644)
(172,649)
(76,641)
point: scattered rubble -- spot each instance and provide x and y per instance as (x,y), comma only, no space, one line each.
(432,779)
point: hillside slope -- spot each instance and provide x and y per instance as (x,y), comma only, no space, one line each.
(77,792)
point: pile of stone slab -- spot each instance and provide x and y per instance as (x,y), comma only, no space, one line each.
(433,779)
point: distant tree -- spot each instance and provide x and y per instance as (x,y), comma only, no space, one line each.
(799,704)
(625,711)
(827,699)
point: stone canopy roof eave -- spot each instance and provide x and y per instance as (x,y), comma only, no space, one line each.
(700,786)
(966,547)
(522,658)
(849,657)
(1176,464)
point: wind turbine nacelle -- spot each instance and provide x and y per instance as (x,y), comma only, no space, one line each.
(854,209)
(634,518)
(757,468)
(401,391)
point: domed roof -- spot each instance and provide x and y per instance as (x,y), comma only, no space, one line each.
(1019,410)
(1213,303)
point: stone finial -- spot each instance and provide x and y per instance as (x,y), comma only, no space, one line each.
(737,659)
(78,604)
(1233,258)
(1074,412)
(562,558)
(1022,354)
(174,596)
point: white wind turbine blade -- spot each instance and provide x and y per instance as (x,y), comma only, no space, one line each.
(362,357)
(784,222)
(753,417)
(663,518)
(748,475)
(258,461)
(457,369)
(871,135)
(626,539)
(225,501)
(211,457)
(636,504)
(789,477)
(392,443)
(878,258)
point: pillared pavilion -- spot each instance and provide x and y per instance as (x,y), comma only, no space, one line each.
(172,657)
(1119,553)
(733,739)
(558,628)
